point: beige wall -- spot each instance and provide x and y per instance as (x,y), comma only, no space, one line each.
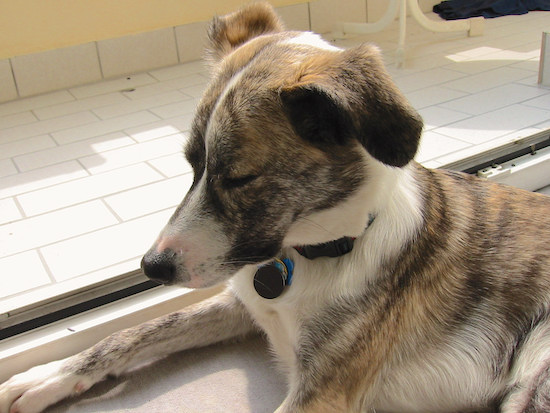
(30,26)
(54,44)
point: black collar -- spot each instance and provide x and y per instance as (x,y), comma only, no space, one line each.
(273,278)
(332,249)
(335,248)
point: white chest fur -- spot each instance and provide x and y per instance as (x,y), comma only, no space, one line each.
(316,283)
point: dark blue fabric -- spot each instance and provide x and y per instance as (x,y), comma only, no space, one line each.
(463,9)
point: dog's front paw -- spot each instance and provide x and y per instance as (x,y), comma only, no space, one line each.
(39,387)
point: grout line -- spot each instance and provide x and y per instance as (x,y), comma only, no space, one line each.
(46,267)
(19,207)
(158,170)
(177,45)
(99,60)
(111,210)
(309,14)
(14,78)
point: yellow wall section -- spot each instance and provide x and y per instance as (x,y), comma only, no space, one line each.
(29,26)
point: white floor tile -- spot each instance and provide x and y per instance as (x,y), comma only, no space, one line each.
(10,212)
(39,178)
(47,126)
(79,105)
(532,65)
(28,145)
(21,105)
(160,129)
(110,246)
(171,165)
(7,168)
(194,91)
(131,106)
(150,198)
(422,80)
(483,128)
(488,80)
(166,86)
(182,108)
(86,189)
(154,130)
(103,127)
(493,99)
(114,85)
(435,116)
(435,95)
(16,119)
(71,151)
(52,227)
(141,152)
(22,272)
(182,70)
(434,145)
(542,102)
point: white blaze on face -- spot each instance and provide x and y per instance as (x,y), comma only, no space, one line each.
(197,239)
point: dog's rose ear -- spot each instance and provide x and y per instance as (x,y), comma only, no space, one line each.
(349,94)
(229,32)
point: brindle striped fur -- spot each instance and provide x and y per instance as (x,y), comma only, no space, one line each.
(443,304)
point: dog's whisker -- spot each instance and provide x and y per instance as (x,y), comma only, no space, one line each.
(317,225)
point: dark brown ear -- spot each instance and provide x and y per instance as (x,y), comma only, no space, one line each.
(229,32)
(349,95)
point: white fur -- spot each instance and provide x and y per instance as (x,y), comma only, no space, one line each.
(314,283)
(311,40)
(48,385)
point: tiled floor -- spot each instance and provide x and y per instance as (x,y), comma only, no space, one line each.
(89,175)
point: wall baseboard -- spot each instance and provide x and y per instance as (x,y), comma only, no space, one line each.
(63,68)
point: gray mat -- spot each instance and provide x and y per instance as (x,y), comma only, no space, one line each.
(237,377)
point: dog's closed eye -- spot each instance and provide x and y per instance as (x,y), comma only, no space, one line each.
(238,182)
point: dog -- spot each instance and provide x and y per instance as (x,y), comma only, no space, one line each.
(381,285)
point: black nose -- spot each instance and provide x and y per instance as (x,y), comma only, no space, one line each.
(159,266)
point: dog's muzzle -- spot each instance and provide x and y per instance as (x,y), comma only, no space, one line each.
(161,266)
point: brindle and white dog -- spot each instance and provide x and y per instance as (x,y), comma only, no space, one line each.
(442,305)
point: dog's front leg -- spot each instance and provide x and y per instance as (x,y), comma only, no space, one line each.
(219,318)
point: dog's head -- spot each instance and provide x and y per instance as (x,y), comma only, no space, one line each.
(289,131)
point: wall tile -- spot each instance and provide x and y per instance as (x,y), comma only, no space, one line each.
(8,91)
(191,40)
(56,69)
(324,13)
(137,53)
(295,17)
